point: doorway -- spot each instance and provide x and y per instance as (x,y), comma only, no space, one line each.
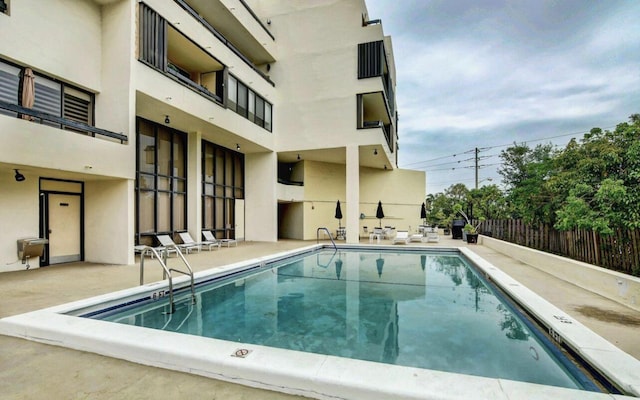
(61,219)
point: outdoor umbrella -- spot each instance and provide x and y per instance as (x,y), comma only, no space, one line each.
(379,265)
(339,214)
(380,213)
(28,91)
(338,267)
(423,213)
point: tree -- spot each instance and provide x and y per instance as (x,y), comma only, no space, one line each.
(525,173)
(599,178)
(489,202)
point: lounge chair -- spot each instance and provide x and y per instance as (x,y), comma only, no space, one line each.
(188,240)
(401,237)
(416,237)
(167,244)
(210,237)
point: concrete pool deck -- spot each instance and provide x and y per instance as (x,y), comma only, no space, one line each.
(33,370)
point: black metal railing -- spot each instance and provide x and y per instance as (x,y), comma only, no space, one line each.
(62,122)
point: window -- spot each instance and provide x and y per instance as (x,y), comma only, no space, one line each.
(242,100)
(233,93)
(78,106)
(252,106)
(267,116)
(4,6)
(9,85)
(247,103)
(259,111)
(223,183)
(161,186)
(51,96)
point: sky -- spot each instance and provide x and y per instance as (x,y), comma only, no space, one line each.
(487,74)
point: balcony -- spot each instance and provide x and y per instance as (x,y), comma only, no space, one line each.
(250,43)
(63,123)
(373,113)
(167,50)
(373,63)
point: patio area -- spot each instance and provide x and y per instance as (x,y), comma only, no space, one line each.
(35,370)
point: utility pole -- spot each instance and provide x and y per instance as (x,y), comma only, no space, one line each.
(477,152)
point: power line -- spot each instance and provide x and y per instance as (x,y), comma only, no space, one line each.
(498,146)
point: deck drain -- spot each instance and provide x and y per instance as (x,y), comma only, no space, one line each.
(241,353)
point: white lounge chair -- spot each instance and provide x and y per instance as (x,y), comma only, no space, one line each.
(167,244)
(210,237)
(188,240)
(401,237)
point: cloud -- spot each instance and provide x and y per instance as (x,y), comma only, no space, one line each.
(481,73)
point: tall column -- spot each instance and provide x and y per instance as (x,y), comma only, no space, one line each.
(194,184)
(353,194)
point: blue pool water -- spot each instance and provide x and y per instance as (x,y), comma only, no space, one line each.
(419,309)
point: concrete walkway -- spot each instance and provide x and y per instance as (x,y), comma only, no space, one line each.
(30,370)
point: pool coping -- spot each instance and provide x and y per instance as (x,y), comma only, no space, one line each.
(313,375)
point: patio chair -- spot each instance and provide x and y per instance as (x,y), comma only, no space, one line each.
(377,234)
(210,237)
(188,240)
(432,237)
(167,244)
(401,237)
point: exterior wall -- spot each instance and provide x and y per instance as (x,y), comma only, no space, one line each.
(88,46)
(401,193)
(18,200)
(108,221)
(316,72)
(622,288)
(60,37)
(261,206)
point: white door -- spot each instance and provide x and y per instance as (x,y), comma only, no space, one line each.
(64,228)
(239,218)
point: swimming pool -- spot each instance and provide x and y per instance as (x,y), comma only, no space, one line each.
(423,309)
(279,289)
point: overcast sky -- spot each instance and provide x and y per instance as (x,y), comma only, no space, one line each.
(487,73)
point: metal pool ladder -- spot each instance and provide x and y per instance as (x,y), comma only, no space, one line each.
(328,233)
(167,271)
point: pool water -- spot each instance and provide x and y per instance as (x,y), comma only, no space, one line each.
(419,309)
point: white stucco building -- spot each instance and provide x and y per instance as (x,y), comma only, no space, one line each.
(247,117)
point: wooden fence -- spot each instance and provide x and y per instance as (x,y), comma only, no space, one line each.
(619,251)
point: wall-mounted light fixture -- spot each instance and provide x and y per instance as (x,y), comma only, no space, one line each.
(19,177)
(166,119)
(385,167)
(312,206)
(375,152)
(238,146)
(298,156)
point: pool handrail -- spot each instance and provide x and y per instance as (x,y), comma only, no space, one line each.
(167,271)
(328,233)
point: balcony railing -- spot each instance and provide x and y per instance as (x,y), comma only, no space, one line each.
(62,122)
